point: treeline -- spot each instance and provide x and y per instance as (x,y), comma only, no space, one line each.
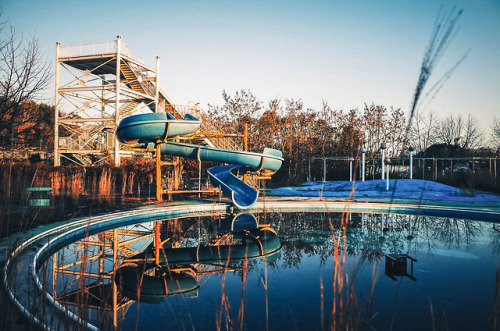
(301,133)
(32,126)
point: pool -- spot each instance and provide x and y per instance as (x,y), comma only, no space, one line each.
(303,270)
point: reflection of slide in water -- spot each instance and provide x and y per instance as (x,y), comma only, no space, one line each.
(140,279)
(146,129)
(255,244)
(153,288)
(252,244)
(243,221)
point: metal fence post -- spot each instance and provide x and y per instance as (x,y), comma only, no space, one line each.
(363,152)
(309,171)
(324,169)
(382,161)
(350,168)
(387,175)
(373,168)
(411,149)
(434,173)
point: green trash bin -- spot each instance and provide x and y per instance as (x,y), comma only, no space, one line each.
(39,196)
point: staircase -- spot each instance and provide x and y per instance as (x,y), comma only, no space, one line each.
(128,109)
(85,135)
(124,249)
(137,80)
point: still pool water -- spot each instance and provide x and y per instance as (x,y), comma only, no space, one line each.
(301,271)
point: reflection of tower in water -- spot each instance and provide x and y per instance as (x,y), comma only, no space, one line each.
(83,272)
(171,257)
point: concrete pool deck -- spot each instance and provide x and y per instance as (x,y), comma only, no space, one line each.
(27,250)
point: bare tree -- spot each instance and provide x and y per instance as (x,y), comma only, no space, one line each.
(396,125)
(473,135)
(495,127)
(24,74)
(450,129)
(453,130)
(350,136)
(423,131)
(375,126)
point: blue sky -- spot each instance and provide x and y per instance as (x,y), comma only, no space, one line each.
(344,52)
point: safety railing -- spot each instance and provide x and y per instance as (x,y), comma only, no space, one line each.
(143,79)
(104,47)
(207,124)
(85,137)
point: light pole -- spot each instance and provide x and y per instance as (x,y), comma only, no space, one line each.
(382,148)
(363,152)
(387,161)
(411,149)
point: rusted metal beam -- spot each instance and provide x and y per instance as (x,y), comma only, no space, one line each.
(157,242)
(213,190)
(83,120)
(159,184)
(95,257)
(88,274)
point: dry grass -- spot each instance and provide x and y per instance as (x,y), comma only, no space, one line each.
(77,191)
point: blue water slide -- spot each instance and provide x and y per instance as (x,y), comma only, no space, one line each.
(145,130)
(242,194)
(226,177)
(270,159)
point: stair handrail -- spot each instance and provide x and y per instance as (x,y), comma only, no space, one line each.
(141,78)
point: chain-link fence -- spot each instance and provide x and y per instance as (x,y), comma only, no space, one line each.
(447,169)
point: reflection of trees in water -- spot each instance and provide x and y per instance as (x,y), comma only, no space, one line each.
(192,231)
(494,233)
(455,233)
(370,236)
(431,232)
(303,234)
(175,229)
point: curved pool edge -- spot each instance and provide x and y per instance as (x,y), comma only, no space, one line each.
(35,248)
(23,287)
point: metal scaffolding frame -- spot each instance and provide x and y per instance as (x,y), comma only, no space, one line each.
(83,273)
(96,85)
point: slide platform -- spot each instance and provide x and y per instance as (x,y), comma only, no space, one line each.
(146,128)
